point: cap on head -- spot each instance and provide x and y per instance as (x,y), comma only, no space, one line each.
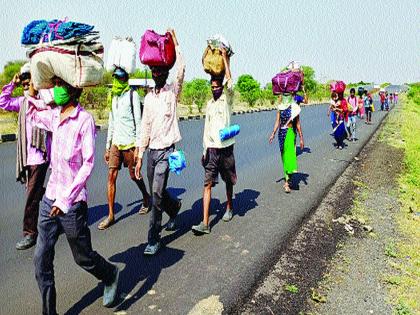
(120,74)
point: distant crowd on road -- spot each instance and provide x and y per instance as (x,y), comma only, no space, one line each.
(56,132)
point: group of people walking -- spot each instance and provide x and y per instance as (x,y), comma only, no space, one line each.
(62,136)
(344,113)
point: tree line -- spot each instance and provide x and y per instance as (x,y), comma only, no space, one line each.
(195,92)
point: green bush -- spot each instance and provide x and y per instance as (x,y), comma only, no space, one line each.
(249,88)
(196,91)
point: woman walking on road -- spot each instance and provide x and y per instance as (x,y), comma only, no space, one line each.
(288,123)
(336,114)
(367,101)
(351,124)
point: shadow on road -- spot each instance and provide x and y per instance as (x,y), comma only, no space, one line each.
(296,179)
(98,212)
(137,268)
(299,151)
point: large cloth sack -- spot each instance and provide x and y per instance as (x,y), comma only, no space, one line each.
(79,65)
(122,54)
(338,86)
(157,50)
(287,82)
(213,61)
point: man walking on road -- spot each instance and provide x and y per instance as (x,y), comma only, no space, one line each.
(218,155)
(159,132)
(123,133)
(32,154)
(64,205)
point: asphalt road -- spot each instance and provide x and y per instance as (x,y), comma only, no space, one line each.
(190,268)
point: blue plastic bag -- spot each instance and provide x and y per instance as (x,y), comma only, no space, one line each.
(229,132)
(177,162)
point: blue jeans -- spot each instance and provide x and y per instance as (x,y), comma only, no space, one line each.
(74,226)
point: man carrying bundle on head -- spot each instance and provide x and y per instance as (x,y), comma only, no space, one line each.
(218,155)
(123,133)
(159,132)
(32,153)
(64,205)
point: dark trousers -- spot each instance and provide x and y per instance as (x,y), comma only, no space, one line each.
(157,174)
(34,192)
(74,226)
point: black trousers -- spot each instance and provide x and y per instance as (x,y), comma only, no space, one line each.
(74,226)
(157,174)
(34,193)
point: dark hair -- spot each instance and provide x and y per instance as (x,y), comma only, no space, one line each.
(218,78)
(25,76)
(340,95)
(352,90)
(334,94)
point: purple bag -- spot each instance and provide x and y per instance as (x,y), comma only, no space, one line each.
(287,82)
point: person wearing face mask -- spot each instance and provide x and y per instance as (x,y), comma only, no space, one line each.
(64,206)
(288,125)
(159,132)
(32,153)
(123,132)
(218,155)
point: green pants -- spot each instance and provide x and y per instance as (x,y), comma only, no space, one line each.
(288,155)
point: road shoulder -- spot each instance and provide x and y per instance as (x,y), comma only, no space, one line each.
(344,259)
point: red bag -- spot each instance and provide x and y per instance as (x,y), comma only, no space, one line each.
(338,86)
(287,82)
(157,50)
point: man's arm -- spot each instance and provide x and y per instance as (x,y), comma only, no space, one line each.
(137,114)
(228,76)
(7,102)
(181,66)
(145,128)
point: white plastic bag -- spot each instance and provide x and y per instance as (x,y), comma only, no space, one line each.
(122,54)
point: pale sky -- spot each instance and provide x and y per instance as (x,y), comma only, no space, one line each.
(349,40)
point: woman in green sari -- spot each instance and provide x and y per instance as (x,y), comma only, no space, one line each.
(288,124)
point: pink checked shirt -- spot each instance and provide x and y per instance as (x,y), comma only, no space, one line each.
(72,154)
(159,124)
(13,104)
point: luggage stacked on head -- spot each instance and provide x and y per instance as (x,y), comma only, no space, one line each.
(288,81)
(338,86)
(122,54)
(157,50)
(64,49)
(212,58)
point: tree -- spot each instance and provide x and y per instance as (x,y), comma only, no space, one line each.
(249,88)
(267,94)
(311,84)
(141,74)
(10,69)
(196,91)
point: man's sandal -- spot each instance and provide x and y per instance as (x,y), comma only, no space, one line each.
(105,224)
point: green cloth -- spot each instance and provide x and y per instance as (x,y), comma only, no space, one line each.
(61,95)
(288,156)
(118,87)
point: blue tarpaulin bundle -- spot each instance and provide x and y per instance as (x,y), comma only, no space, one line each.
(229,132)
(177,162)
(39,31)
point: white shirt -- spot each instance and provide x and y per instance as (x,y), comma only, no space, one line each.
(218,117)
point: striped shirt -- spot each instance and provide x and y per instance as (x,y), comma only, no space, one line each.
(159,124)
(72,154)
